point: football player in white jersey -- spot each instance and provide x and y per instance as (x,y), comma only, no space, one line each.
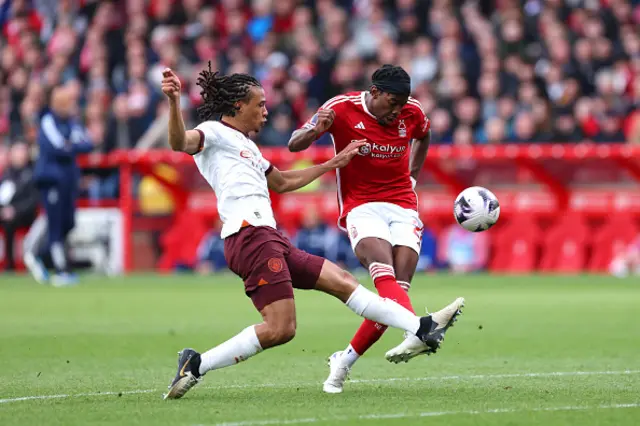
(268,263)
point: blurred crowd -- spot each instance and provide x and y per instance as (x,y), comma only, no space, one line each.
(485,71)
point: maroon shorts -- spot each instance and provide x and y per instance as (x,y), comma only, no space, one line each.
(269,264)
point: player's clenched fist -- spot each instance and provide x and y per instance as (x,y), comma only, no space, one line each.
(324,120)
(344,156)
(171,84)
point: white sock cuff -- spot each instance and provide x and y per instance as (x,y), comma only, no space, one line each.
(405,285)
(378,270)
(360,299)
(249,333)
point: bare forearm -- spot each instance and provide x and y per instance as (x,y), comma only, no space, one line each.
(296,179)
(302,139)
(419,154)
(177,132)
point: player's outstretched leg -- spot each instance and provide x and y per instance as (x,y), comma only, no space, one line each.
(429,329)
(278,328)
(378,256)
(412,346)
(369,332)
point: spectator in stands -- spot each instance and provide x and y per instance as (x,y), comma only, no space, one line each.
(18,198)
(627,261)
(210,256)
(316,237)
(57,175)
(462,250)
(474,61)
(428,259)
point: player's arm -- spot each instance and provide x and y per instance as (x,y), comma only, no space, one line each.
(81,143)
(418,155)
(420,147)
(189,141)
(290,180)
(302,138)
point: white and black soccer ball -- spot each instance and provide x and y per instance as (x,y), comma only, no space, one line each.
(476,209)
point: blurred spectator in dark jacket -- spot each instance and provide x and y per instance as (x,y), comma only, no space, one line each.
(18,197)
(211,252)
(316,237)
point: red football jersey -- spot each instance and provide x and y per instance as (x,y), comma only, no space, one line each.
(380,173)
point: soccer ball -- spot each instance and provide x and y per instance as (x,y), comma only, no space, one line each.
(476,209)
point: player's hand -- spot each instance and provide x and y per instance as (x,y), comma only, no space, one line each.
(344,156)
(8,213)
(325,120)
(171,86)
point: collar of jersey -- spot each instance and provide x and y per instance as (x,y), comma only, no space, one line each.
(233,127)
(364,103)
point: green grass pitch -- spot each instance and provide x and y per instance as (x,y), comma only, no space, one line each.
(527,351)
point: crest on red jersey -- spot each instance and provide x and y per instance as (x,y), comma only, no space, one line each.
(402,129)
(354,232)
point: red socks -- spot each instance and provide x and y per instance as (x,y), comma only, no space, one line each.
(384,279)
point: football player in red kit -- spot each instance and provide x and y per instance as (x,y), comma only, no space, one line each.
(376,197)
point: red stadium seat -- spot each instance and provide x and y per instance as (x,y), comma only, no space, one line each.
(515,246)
(180,243)
(615,235)
(565,245)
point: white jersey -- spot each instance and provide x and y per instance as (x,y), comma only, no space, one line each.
(234,167)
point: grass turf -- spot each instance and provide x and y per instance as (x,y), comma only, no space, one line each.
(528,350)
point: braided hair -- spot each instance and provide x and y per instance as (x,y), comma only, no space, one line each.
(221,92)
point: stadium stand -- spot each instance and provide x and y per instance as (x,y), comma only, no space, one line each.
(488,73)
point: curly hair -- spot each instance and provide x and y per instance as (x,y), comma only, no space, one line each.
(392,79)
(221,92)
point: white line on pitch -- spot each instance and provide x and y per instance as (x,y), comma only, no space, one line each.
(75,395)
(365,381)
(267,422)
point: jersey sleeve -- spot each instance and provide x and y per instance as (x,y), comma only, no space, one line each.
(208,135)
(330,104)
(266,166)
(422,123)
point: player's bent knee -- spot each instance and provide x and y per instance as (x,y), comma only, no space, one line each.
(281,333)
(336,281)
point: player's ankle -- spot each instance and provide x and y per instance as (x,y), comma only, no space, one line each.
(194,364)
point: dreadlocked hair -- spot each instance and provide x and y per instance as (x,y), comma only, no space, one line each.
(221,92)
(389,72)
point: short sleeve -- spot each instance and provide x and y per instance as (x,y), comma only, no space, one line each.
(266,166)
(422,123)
(330,104)
(311,123)
(208,135)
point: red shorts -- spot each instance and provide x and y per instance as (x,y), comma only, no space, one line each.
(270,266)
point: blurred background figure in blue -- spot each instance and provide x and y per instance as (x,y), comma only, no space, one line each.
(464,251)
(61,138)
(210,257)
(18,198)
(316,237)
(428,259)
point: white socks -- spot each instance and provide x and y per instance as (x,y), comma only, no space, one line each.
(384,311)
(349,356)
(405,285)
(237,349)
